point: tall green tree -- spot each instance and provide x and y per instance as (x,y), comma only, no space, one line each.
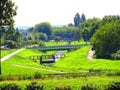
(83,17)
(91,25)
(106,40)
(109,18)
(7,11)
(77,20)
(44,27)
(77,35)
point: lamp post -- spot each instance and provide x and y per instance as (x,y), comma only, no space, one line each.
(1,28)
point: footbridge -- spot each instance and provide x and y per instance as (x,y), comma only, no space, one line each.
(56,48)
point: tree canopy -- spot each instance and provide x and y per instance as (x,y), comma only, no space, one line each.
(106,40)
(7,11)
(79,19)
(44,27)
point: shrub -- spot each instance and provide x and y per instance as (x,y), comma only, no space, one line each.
(11,44)
(63,88)
(34,86)
(94,72)
(10,87)
(113,73)
(113,86)
(116,56)
(90,87)
(38,75)
(41,43)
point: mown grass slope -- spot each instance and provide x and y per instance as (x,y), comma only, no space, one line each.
(6,52)
(77,60)
(22,58)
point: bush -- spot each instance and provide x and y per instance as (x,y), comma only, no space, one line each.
(10,87)
(38,75)
(113,86)
(63,88)
(113,73)
(116,56)
(90,87)
(41,43)
(34,86)
(11,44)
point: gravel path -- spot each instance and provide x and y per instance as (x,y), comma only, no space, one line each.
(10,55)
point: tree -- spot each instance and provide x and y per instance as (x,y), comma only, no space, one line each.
(29,38)
(91,25)
(7,11)
(70,24)
(57,39)
(66,33)
(106,40)
(83,17)
(77,19)
(44,27)
(77,35)
(109,18)
(43,37)
(85,35)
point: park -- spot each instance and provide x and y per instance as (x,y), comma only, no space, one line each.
(83,55)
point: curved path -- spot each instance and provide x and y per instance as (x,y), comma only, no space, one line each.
(11,54)
(90,55)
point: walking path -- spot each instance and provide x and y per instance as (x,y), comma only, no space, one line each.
(90,55)
(10,55)
(38,68)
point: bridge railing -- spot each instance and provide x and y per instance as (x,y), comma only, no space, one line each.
(60,47)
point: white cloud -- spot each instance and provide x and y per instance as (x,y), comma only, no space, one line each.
(31,12)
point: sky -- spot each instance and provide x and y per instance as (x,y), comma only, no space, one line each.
(62,12)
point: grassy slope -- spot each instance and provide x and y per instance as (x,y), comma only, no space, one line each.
(22,58)
(73,62)
(6,52)
(77,60)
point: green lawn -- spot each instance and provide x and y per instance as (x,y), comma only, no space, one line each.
(22,58)
(77,60)
(74,83)
(6,52)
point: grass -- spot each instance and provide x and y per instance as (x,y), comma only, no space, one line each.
(75,83)
(22,58)
(6,52)
(77,60)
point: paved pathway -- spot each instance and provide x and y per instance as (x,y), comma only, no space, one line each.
(90,55)
(10,55)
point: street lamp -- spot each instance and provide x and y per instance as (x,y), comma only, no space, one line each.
(1,28)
